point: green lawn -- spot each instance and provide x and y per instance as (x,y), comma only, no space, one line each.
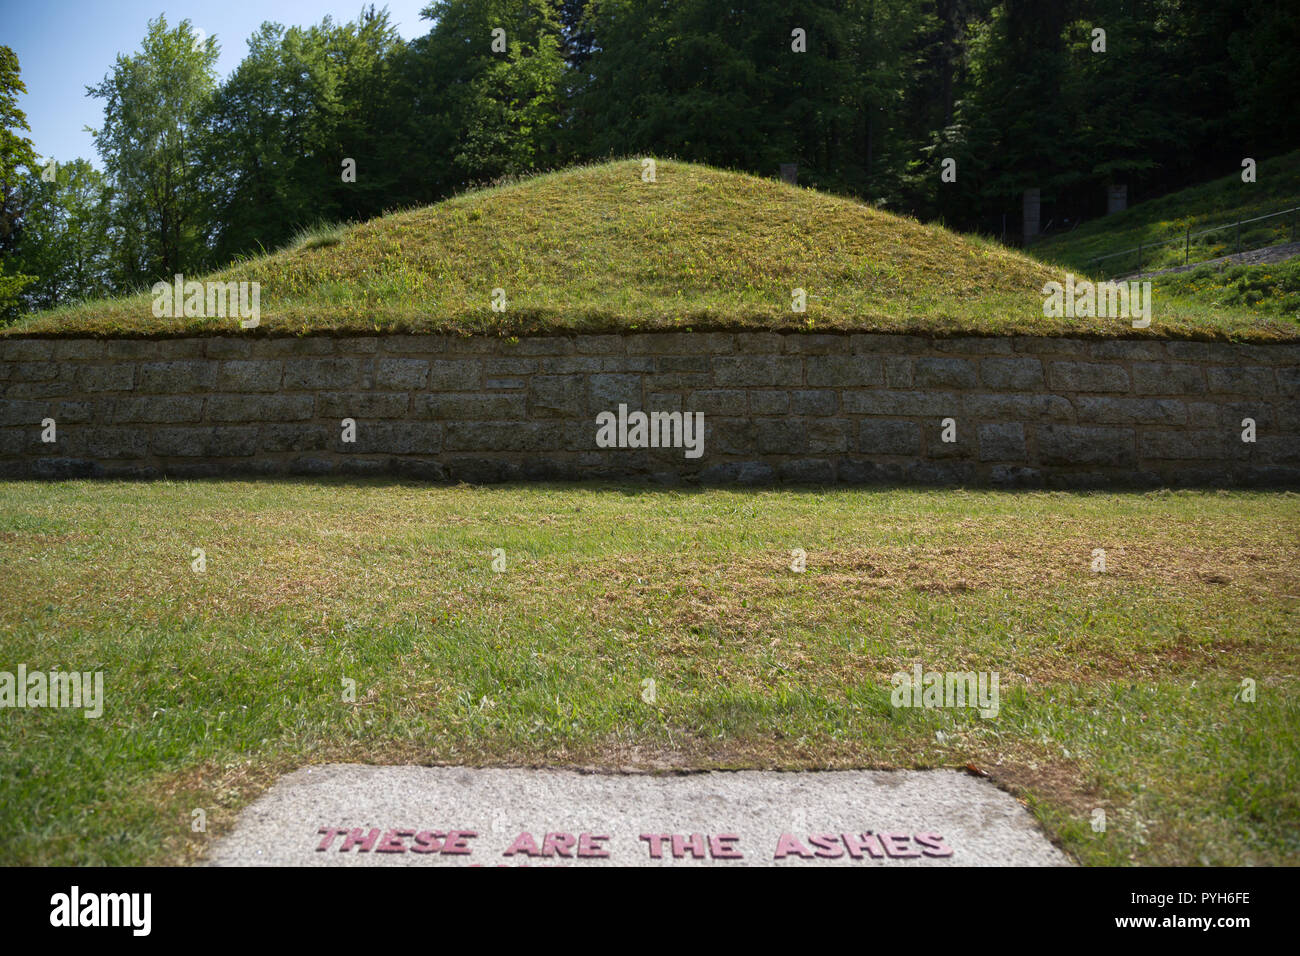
(1120,691)
(596,248)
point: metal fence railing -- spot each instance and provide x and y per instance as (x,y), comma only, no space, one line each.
(1254,237)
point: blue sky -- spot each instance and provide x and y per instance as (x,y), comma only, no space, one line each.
(65,45)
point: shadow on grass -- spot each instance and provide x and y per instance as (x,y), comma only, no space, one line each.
(638,487)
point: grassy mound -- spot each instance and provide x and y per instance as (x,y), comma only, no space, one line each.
(596,248)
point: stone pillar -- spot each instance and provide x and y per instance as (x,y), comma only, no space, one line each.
(1031,215)
(1116,199)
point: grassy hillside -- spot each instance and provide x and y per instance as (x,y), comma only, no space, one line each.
(1220,202)
(596,248)
(1269,289)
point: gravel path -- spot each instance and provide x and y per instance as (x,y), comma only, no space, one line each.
(1254,257)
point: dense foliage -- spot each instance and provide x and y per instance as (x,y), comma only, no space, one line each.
(199,171)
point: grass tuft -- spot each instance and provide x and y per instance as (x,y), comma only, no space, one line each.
(320,235)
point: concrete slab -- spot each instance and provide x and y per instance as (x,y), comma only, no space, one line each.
(351,815)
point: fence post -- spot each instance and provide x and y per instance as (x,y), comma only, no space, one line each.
(1238,235)
(1295,214)
(1139,258)
(1187,249)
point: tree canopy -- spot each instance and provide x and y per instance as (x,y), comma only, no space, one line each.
(342,121)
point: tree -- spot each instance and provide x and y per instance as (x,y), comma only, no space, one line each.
(16,155)
(151,102)
(64,239)
(478,113)
(276,133)
(1265,68)
(726,84)
(883,92)
(1011,126)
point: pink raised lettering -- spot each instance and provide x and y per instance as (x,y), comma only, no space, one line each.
(428,841)
(787,844)
(354,838)
(558,844)
(721,848)
(524,843)
(589,845)
(656,842)
(392,841)
(896,845)
(694,844)
(933,844)
(456,844)
(827,845)
(330,834)
(863,841)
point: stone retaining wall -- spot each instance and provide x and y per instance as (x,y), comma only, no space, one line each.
(777,407)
